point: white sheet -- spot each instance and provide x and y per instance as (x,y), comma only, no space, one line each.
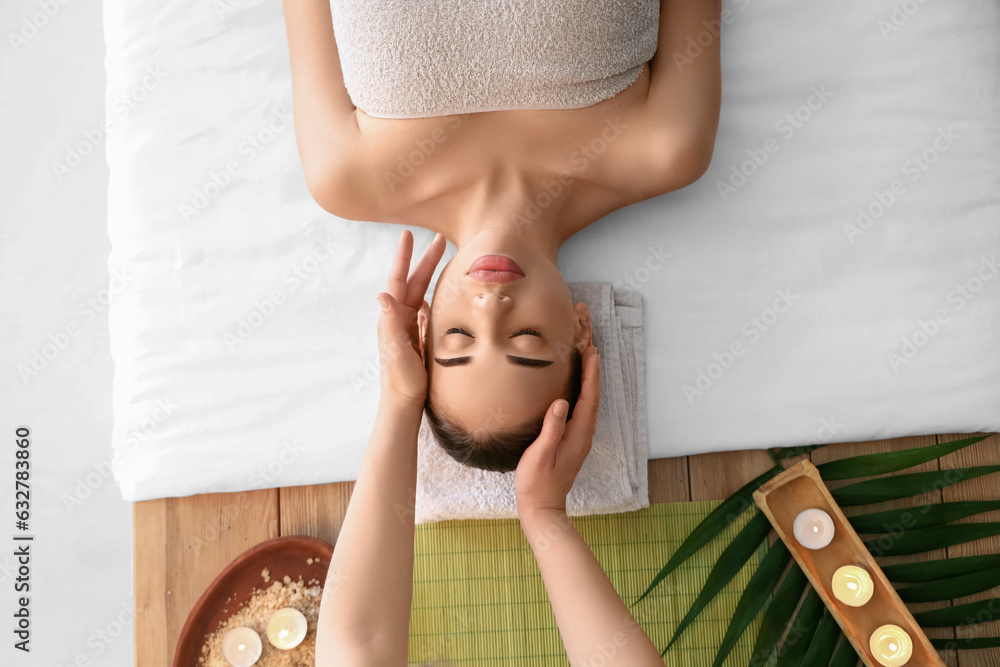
(204,403)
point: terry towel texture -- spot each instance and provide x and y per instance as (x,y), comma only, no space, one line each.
(614,476)
(417,58)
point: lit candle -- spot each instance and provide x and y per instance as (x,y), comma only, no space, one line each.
(891,646)
(287,628)
(813,528)
(241,647)
(852,585)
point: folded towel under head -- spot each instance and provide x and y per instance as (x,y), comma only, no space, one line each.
(417,58)
(614,476)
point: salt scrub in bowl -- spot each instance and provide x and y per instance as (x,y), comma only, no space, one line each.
(299,595)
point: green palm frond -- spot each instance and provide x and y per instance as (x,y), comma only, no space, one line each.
(796,628)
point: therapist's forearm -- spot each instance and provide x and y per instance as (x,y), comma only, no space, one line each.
(367,597)
(594,623)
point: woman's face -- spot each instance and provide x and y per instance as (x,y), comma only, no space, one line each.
(501,332)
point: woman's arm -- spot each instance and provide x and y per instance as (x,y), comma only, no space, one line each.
(365,614)
(685,89)
(592,618)
(326,128)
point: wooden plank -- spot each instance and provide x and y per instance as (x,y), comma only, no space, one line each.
(716,476)
(317,510)
(668,480)
(987,487)
(181,544)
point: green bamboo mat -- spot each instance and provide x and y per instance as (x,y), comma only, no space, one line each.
(478,597)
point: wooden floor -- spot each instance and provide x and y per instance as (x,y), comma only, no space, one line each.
(182,543)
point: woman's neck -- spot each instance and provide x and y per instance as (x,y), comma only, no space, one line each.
(513,204)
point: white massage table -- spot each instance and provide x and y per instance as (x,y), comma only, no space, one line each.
(833,277)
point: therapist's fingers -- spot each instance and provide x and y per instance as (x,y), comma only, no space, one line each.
(422,275)
(396,285)
(583,425)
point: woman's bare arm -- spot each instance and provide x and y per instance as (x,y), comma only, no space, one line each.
(326,127)
(685,89)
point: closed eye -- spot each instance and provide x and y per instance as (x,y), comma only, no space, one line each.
(526,332)
(457,330)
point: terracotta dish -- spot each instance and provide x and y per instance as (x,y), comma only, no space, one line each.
(281,555)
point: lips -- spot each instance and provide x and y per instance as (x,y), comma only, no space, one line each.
(495,269)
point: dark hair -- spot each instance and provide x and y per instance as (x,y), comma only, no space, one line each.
(499,450)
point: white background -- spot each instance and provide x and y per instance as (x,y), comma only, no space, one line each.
(53,258)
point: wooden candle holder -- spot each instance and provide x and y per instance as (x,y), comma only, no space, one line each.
(800,487)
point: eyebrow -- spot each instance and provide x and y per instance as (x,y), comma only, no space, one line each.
(517,361)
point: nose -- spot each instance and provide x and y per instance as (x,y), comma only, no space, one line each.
(491,303)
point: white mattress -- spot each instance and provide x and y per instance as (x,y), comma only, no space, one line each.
(205,404)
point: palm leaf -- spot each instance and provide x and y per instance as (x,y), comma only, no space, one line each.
(967,643)
(821,647)
(903,486)
(846,655)
(800,633)
(922,516)
(878,464)
(731,561)
(963,614)
(755,595)
(710,527)
(932,570)
(929,539)
(777,616)
(953,587)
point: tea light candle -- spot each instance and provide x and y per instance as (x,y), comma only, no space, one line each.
(287,628)
(852,585)
(813,528)
(241,647)
(891,646)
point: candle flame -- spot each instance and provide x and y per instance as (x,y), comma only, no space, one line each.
(242,647)
(283,633)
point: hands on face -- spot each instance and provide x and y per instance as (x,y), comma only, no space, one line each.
(399,340)
(549,466)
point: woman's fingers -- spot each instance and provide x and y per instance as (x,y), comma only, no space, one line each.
(422,275)
(396,285)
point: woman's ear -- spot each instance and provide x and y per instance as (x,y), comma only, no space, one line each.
(423,325)
(585,335)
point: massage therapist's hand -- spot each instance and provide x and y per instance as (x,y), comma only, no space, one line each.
(548,467)
(400,344)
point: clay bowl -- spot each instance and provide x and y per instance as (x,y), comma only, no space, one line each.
(281,555)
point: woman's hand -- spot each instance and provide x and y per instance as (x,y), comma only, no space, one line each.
(548,467)
(399,339)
